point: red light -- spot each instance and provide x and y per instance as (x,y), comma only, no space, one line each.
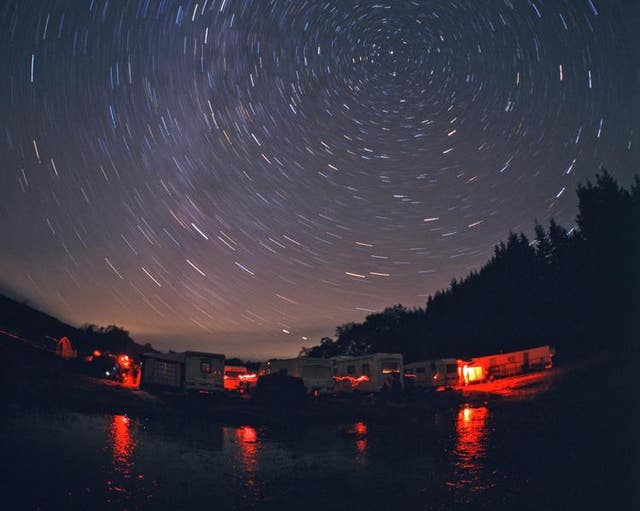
(353,380)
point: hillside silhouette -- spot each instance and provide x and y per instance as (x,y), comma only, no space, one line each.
(577,290)
(43,330)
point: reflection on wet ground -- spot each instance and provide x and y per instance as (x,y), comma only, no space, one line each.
(359,431)
(469,455)
(471,447)
(247,441)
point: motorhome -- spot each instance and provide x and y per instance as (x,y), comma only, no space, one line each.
(162,370)
(203,372)
(368,373)
(432,374)
(489,367)
(314,372)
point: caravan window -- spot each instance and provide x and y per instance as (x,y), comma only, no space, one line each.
(205,366)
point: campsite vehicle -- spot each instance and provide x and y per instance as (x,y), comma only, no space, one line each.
(314,372)
(191,370)
(431,374)
(162,370)
(104,366)
(279,390)
(489,367)
(203,372)
(368,373)
(237,378)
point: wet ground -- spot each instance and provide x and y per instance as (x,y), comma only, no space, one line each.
(541,452)
(567,439)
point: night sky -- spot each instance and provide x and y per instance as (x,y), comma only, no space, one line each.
(241,176)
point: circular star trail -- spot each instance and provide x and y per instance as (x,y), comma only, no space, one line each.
(242,176)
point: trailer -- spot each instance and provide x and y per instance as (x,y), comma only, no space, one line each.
(501,365)
(203,372)
(432,374)
(368,373)
(316,373)
(162,370)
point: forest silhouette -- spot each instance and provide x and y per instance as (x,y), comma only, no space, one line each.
(576,290)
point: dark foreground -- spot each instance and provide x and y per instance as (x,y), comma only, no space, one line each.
(567,441)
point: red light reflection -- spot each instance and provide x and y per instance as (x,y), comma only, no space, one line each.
(471,444)
(360,431)
(123,446)
(471,429)
(247,438)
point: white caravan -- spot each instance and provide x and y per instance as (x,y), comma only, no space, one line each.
(431,374)
(203,371)
(367,373)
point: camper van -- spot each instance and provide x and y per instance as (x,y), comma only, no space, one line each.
(489,367)
(203,371)
(367,373)
(314,372)
(431,374)
(164,370)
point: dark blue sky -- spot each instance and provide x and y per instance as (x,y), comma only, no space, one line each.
(243,176)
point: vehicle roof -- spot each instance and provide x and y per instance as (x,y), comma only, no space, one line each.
(345,358)
(419,363)
(506,353)
(204,354)
(172,357)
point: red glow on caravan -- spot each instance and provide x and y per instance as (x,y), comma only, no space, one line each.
(472,374)
(354,381)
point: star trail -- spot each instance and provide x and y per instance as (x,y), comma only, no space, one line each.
(242,176)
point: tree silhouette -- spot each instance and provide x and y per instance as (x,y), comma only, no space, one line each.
(578,290)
